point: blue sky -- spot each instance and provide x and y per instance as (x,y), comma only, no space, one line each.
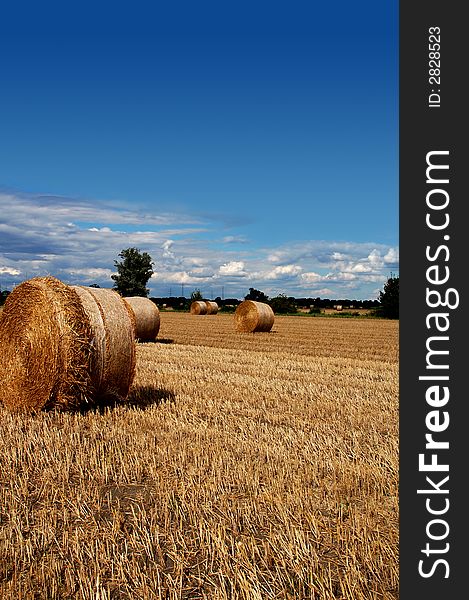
(247,144)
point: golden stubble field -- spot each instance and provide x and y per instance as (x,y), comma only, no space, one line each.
(243,466)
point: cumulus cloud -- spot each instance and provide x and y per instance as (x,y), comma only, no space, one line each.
(311,277)
(340,276)
(166,246)
(338,256)
(290,270)
(186,277)
(78,242)
(359,268)
(280,272)
(232,268)
(9,271)
(392,256)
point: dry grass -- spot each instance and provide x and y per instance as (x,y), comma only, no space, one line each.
(243,466)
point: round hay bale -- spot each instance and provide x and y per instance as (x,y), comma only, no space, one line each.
(198,307)
(251,316)
(113,356)
(45,336)
(147,318)
(212,307)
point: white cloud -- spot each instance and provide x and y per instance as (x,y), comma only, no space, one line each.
(281,272)
(322,293)
(391,256)
(338,256)
(78,241)
(359,268)
(375,259)
(92,273)
(9,271)
(234,239)
(232,268)
(341,276)
(277,256)
(311,277)
(287,270)
(184,277)
(166,246)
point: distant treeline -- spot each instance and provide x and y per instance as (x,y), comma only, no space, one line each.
(182,303)
(229,304)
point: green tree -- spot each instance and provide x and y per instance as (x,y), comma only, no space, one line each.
(133,272)
(389,299)
(196,295)
(256,295)
(283,304)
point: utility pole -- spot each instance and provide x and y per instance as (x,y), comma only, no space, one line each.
(222,292)
(182,289)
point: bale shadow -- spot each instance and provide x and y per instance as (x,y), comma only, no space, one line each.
(140,396)
(147,395)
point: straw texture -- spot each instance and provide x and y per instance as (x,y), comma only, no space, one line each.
(113,341)
(147,318)
(251,316)
(198,307)
(45,338)
(212,307)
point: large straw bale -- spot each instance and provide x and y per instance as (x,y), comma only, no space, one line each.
(251,316)
(147,318)
(198,307)
(212,307)
(45,337)
(113,341)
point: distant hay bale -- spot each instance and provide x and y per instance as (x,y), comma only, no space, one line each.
(212,307)
(147,318)
(113,355)
(45,336)
(251,316)
(198,307)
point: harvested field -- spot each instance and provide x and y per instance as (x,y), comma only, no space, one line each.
(242,466)
(303,336)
